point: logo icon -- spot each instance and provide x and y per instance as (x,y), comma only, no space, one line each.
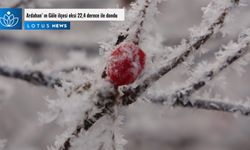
(10,18)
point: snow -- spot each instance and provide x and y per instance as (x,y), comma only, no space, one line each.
(210,15)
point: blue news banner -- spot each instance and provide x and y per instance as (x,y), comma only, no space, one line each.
(12,19)
(46,25)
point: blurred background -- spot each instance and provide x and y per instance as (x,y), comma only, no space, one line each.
(146,126)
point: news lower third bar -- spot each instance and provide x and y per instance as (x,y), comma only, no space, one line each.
(74,14)
(53,19)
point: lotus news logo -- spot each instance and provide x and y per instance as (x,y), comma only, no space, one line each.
(10,18)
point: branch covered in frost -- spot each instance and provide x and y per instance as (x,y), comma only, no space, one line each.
(108,97)
(105,105)
(79,89)
(105,100)
(204,73)
(141,23)
(30,76)
(79,67)
(185,50)
(142,14)
(206,105)
(45,44)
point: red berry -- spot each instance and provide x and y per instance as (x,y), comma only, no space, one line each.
(125,64)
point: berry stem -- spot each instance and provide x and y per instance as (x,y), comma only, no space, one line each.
(34,77)
(140,27)
(136,40)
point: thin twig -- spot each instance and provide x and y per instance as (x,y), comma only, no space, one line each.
(80,89)
(82,68)
(131,94)
(44,44)
(104,105)
(142,14)
(33,77)
(141,24)
(206,105)
(180,97)
(38,78)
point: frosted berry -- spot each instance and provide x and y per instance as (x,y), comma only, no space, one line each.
(125,64)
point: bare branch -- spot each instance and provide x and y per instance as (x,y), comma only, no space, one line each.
(80,89)
(228,55)
(105,103)
(45,44)
(139,27)
(131,94)
(82,68)
(206,105)
(33,77)
(38,78)
(127,97)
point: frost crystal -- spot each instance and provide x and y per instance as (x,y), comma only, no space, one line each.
(105,135)
(211,13)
